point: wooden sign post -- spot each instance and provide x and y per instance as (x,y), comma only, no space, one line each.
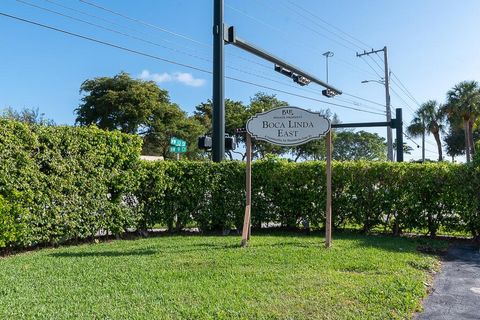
(287,126)
(328,209)
(248,189)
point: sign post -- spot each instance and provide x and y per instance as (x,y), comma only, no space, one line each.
(328,209)
(248,189)
(288,126)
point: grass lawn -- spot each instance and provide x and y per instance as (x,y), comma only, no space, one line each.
(279,276)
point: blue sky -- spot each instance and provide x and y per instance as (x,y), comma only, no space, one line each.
(433,44)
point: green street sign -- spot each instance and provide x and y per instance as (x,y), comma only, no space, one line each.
(176,142)
(178,149)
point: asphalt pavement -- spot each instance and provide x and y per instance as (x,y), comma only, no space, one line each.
(456,288)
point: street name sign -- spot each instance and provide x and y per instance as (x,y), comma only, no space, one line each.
(178,142)
(288,126)
(178,149)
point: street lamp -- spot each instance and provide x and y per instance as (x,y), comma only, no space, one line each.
(327,55)
(389,115)
(377,81)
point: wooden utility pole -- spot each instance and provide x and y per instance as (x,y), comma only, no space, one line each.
(248,189)
(328,210)
(386,82)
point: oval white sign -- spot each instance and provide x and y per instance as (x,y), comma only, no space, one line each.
(288,126)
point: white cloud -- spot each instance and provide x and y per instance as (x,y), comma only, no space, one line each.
(181,77)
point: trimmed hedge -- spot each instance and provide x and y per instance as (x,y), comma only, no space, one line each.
(64,183)
(394,196)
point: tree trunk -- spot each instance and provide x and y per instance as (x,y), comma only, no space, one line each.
(423,146)
(467,140)
(470,132)
(436,135)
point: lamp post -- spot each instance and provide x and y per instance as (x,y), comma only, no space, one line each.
(327,55)
(389,116)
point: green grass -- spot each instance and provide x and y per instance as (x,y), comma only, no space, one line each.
(279,276)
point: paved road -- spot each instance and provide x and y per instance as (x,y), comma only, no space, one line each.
(456,288)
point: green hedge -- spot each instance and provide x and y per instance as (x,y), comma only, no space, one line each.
(393,196)
(64,183)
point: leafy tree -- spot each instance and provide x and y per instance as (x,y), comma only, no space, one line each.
(262,102)
(316,149)
(170,121)
(463,103)
(138,107)
(237,115)
(27,115)
(362,145)
(429,119)
(120,103)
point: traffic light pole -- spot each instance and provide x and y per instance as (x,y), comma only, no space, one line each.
(393,123)
(222,35)
(218,121)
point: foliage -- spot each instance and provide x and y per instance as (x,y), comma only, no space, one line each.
(396,196)
(170,121)
(138,107)
(64,183)
(119,103)
(280,276)
(463,107)
(360,145)
(428,119)
(26,115)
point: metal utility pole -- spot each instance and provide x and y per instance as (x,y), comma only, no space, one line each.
(387,97)
(399,126)
(218,125)
(327,55)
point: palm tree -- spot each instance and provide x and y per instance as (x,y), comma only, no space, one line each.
(463,101)
(429,119)
(417,129)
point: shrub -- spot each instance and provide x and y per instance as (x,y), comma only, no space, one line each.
(69,182)
(396,196)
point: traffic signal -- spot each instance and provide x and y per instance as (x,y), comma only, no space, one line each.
(230,143)
(329,93)
(301,80)
(204,142)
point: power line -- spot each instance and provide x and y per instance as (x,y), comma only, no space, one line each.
(144,23)
(302,96)
(323,35)
(173,49)
(147,24)
(331,25)
(314,21)
(106,43)
(406,89)
(178,63)
(134,37)
(376,62)
(304,44)
(354,96)
(90,15)
(373,69)
(406,104)
(113,30)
